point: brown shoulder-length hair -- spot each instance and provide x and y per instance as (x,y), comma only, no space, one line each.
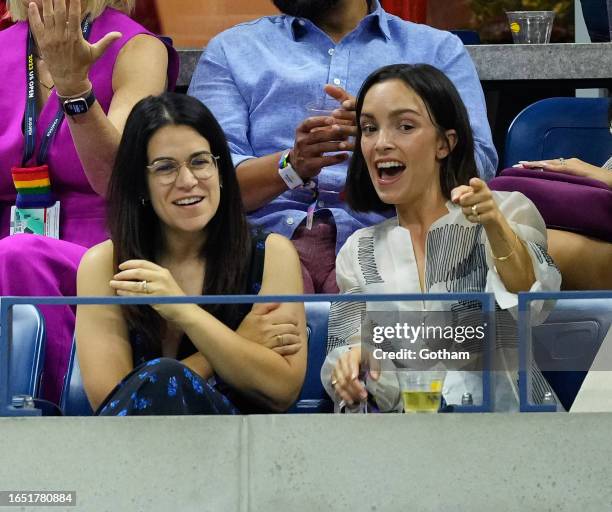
(136,230)
(19,12)
(446,111)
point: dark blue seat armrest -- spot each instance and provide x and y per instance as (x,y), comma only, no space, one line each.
(74,400)
(313,397)
(27,356)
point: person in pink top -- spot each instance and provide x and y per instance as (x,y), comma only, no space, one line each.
(71,72)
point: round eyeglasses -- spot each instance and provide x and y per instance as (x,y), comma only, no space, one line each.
(202,165)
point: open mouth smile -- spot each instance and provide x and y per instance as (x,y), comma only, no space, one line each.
(389,171)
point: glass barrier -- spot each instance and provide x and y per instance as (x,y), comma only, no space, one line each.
(400,333)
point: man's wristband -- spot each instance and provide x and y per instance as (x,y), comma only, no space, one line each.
(291,178)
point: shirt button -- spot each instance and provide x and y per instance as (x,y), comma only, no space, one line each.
(337,81)
(289,221)
(331,51)
(321,204)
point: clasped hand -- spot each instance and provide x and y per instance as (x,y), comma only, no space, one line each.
(67,54)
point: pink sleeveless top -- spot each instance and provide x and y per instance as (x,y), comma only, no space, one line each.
(82,211)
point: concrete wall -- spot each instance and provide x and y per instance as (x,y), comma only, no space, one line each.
(370,463)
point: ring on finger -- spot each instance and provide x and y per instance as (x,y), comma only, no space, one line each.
(279,339)
(475,209)
(334,382)
(562,162)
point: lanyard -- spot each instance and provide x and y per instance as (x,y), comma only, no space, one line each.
(31,113)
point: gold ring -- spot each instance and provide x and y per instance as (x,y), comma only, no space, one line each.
(144,286)
(334,382)
(279,339)
(475,209)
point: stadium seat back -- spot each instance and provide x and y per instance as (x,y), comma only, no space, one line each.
(565,346)
(560,127)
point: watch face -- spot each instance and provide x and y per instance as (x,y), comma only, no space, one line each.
(76,106)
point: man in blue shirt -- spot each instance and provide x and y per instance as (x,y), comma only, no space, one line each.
(258,79)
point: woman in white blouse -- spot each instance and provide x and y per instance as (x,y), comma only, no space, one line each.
(414,152)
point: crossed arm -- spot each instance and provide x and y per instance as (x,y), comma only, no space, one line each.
(242,358)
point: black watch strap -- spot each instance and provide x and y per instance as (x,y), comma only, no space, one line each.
(78,104)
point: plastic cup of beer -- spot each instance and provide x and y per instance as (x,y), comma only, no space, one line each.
(531,27)
(421,390)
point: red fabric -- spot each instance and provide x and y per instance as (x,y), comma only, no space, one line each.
(5,17)
(411,10)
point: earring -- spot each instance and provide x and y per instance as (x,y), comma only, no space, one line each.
(143,201)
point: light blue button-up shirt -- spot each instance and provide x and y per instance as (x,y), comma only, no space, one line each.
(258,77)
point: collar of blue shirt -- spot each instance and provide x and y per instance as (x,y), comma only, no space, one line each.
(378,17)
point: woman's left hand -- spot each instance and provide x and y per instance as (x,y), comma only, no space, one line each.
(142,278)
(67,54)
(476,201)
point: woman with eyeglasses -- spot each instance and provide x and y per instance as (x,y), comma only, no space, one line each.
(178,228)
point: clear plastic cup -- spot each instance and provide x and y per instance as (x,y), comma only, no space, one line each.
(321,107)
(421,390)
(531,27)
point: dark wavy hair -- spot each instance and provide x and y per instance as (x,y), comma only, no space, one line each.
(135,228)
(446,110)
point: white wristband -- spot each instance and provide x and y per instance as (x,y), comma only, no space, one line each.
(291,178)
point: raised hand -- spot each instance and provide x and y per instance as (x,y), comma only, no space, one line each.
(67,54)
(476,201)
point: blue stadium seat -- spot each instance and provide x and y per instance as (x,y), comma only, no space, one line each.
(560,127)
(74,400)
(467,36)
(313,397)
(27,354)
(566,344)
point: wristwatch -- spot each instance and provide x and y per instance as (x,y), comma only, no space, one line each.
(77,104)
(291,178)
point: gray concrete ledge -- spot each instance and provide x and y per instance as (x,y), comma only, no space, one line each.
(507,62)
(462,462)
